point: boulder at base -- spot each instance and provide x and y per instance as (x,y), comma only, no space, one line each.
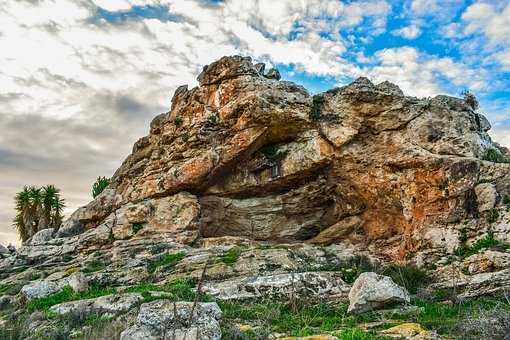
(372,291)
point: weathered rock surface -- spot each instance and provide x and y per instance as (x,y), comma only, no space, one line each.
(372,291)
(182,320)
(276,192)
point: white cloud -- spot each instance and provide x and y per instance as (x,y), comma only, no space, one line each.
(409,32)
(419,74)
(423,6)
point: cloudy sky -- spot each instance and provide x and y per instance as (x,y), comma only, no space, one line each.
(81,79)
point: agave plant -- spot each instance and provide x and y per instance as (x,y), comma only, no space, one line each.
(37,209)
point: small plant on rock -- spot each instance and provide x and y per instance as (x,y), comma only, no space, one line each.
(99,185)
(212,119)
(231,256)
(136,227)
(168,260)
(178,121)
(493,215)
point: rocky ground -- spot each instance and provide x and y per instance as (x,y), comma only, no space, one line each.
(254,210)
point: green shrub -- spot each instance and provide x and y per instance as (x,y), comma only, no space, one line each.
(168,260)
(272,153)
(136,227)
(410,277)
(506,200)
(212,119)
(99,185)
(354,267)
(178,121)
(493,215)
(178,290)
(463,237)
(495,156)
(317,106)
(67,294)
(484,243)
(231,256)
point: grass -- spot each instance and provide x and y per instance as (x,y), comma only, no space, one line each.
(305,320)
(494,155)
(6,288)
(94,266)
(231,256)
(67,294)
(444,317)
(168,260)
(136,227)
(484,243)
(410,277)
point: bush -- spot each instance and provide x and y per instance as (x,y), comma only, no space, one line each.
(178,121)
(212,119)
(99,185)
(272,153)
(136,227)
(484,243)
(495,156)
(493,215)
(492,324)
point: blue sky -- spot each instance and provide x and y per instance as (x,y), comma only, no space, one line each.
(80,80)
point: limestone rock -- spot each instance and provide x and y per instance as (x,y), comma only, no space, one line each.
(3,250)
(78,282)
(105,305)
(410,331)
(40,289)
(301,285)
(273,73)
(42,236)
(371,291)
(163,318)
(486,196)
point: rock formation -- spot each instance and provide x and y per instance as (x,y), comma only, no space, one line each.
(250,167)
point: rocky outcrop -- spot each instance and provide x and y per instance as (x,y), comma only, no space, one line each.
(256,189)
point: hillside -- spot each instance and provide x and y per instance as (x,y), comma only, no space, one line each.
(256,206)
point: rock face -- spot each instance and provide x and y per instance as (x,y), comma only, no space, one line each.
(262,159)
(371,291)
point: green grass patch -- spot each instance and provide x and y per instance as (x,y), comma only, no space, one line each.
(167,260)
(136,227)
(6,288)
(231,256)
(303,320)
(484,243)
(177,290)
(357,334)
(444,317)
(67,294)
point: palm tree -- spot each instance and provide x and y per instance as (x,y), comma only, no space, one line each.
(37,209)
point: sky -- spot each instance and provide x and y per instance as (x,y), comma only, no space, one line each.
(80,80)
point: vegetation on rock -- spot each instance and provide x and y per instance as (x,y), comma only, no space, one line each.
(37,209)
(99,185)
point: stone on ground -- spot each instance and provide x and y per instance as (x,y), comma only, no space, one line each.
(373,291)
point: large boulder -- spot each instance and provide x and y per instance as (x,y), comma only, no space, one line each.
(372,291)
(486,196)
(165,319)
